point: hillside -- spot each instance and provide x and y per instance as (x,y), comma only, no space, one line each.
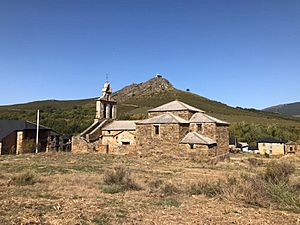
(291,109)
(134,100)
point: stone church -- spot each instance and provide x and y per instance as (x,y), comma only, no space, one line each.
(172,128)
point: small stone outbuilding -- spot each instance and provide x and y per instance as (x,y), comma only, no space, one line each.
(291,147)
(18,136)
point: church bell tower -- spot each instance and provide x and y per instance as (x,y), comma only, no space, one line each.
(106,108)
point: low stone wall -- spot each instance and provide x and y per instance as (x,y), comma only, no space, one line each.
(79,145)
(198,151)
(116,150)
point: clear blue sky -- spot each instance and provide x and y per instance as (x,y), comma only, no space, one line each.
(240,52)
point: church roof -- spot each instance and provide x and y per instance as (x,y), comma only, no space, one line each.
(175,106)
(162,119)
(195,138)
(204,118)
(120,125)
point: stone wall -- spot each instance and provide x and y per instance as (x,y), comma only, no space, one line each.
(20,137)
(291,148)
(222,138)
(79,145)
(118,142)
(209,130)
(185,114)
(198,151)
(167,141)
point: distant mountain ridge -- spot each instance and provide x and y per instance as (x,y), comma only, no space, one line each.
(290,109)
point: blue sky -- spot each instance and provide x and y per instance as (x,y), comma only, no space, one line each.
(240,52)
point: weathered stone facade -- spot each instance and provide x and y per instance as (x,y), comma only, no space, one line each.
(214,131)
(169,129)
(222,139)
(167,141)
(80,145)
(118,142)
(198,151)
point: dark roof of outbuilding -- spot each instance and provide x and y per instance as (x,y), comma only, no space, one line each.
(8,126)
(252,148)
(270,140)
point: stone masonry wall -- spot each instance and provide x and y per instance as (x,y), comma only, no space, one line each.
(198,151)
(183,130)
(222,138)
(166,142)
(116,139)
(79,145)
(209,130)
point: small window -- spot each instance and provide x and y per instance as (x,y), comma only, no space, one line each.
(200,127)
(192,146)
(156,129)
(291,148)
(125,143)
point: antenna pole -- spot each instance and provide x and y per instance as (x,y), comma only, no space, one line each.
(37,131)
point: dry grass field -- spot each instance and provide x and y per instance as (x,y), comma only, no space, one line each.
(63,188)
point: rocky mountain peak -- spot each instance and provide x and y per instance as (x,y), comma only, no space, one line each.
(155,85)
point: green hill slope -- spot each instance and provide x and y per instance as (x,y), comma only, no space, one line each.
(74,116)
